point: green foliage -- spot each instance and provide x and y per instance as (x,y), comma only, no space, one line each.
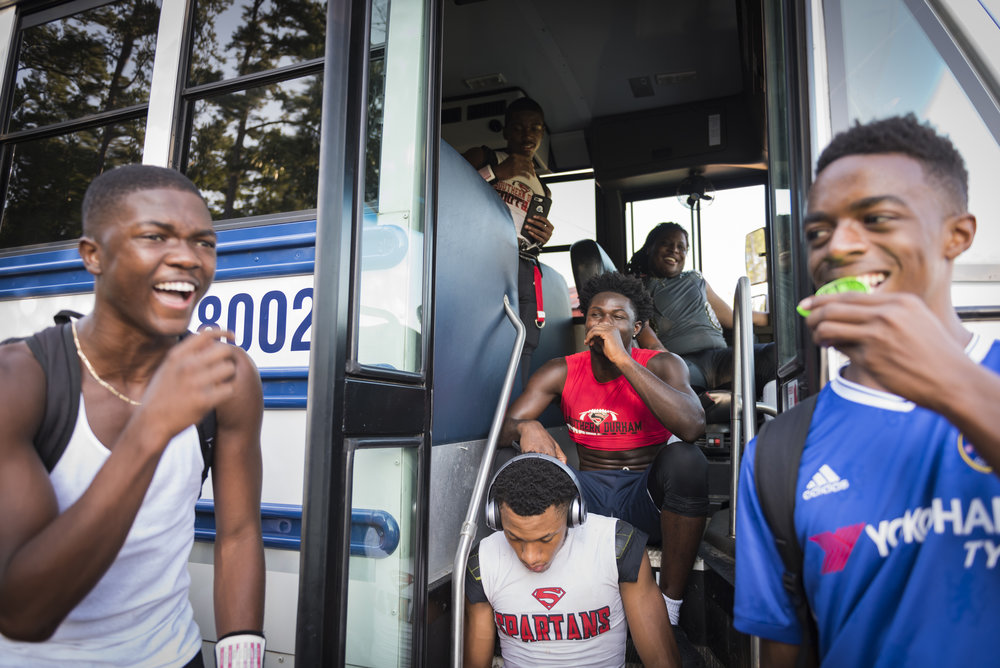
(252,152)
(256,151)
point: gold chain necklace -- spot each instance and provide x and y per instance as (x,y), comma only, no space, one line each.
(103,383)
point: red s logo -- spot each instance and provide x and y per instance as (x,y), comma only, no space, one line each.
(548,596)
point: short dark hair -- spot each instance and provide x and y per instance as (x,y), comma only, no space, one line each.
(521,104)
(108,189)
(638,264)
(531,486)
(905,134)
(628,286)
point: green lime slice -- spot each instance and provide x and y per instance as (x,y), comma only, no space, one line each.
(842,284)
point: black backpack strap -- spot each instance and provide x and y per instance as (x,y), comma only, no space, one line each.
(56,353)
(779,451)
(491,156)
(66,315)
(206,437)
(207,429)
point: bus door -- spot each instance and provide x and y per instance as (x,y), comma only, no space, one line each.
(362,579)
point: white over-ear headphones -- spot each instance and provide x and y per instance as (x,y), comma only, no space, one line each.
(575,516)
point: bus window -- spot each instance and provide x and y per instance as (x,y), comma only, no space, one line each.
(244,38)
(573,217)
(380,596)
(78,108)
(253,132)
(391,288)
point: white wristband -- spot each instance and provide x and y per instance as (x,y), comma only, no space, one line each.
(487,173)
(240,650)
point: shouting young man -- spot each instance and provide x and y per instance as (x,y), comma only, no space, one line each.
(94,550)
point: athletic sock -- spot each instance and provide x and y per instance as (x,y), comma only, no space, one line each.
(673,609)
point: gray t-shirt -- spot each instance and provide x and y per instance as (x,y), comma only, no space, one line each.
(684,320)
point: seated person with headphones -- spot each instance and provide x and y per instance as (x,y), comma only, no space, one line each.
(630,412)
(579,580)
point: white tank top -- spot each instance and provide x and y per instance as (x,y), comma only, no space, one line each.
(138,614)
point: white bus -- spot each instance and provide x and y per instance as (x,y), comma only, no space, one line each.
(363,264)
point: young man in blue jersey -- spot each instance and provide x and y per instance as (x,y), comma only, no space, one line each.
(897,505)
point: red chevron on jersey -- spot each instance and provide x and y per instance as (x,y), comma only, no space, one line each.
(838,546)
(548,596)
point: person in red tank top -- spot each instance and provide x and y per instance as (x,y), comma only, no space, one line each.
(632,414)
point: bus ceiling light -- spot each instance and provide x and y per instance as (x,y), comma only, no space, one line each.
(486,81)
(668,78)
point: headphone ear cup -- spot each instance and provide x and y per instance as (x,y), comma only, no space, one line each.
(493,516)
(577,514)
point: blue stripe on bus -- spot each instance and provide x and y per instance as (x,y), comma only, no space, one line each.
(285,387)
(281,249)
(374,533)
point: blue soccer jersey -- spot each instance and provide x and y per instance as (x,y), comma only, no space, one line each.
(899,522)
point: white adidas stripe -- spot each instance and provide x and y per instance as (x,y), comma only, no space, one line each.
(829,473)
(824,481)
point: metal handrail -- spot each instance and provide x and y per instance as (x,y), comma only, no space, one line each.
(744,423)
(468,533)
(767,409)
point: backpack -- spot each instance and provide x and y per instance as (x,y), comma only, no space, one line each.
(776,474)
(56,353)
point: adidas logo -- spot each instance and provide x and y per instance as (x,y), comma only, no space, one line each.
(824,481)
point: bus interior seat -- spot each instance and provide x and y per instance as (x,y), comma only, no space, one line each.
(476,265)
(588,259)
(717,405)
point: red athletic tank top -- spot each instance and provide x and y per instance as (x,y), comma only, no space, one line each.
(608,416)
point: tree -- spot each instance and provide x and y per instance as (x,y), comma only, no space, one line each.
(69,69)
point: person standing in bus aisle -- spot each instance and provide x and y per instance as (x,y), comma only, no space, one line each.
(559,584)
(901,520)
(512,173)
(689,315)
(93,555)
(621,403)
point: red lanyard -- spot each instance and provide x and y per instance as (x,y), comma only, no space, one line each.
(540,315)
